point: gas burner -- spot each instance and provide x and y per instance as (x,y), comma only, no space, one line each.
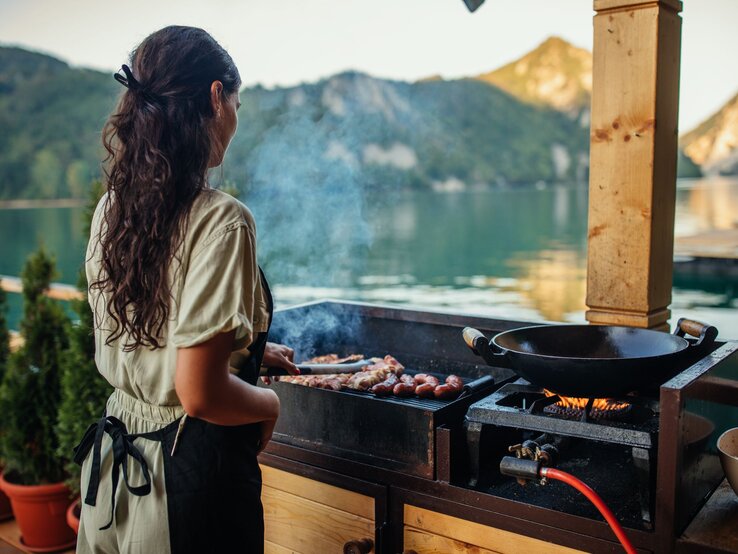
(587,408)
(607,433)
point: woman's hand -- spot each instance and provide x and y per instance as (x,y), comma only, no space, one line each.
(279,355)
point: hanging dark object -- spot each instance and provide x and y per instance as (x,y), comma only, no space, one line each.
(473,4)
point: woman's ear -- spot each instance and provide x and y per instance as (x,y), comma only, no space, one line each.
(216,97)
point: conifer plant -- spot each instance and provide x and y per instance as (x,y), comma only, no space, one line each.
(29,404)
(5,509)
(30,392)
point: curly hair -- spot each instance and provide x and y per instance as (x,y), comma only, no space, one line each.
(159,145)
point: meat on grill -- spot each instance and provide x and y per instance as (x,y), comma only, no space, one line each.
(383,377)
(361,380)
(334,359)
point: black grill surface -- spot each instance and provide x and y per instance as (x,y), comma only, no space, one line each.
(388,432)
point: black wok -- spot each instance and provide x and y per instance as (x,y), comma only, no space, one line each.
(592,361)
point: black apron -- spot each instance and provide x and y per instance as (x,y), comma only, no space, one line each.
(213,480)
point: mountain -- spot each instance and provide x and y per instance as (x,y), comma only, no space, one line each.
(713,144)
(555,74)
(383,133)
(51,116)
(525,122)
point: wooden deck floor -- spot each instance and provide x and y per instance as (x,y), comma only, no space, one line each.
(10,539)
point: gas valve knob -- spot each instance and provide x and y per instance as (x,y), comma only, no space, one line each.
(516,449)
(548,455)
(360,546)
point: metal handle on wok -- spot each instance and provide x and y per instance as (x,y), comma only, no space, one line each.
(481,345)
(705,333)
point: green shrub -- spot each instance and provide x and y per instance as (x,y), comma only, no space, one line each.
(30,392)
(4,334)
(83,390)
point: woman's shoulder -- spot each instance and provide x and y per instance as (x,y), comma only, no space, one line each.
(215,212)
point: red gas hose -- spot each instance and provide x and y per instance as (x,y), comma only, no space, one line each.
(593,497)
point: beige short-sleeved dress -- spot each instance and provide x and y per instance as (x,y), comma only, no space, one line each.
(137,496)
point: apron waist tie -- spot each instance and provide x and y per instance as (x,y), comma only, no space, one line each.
(123,447)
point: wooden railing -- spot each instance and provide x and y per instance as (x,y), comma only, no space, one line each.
(57,291)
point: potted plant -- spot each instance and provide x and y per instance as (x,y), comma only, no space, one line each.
(29,403)
(83,390)
(5,510)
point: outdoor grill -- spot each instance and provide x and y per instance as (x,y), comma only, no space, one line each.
(389,432)
(653,461)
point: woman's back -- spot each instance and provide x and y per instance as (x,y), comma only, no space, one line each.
(220,239)
(174,288)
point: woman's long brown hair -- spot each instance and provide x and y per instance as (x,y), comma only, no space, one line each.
(159,144)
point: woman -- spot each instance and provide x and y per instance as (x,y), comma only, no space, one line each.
(175,288)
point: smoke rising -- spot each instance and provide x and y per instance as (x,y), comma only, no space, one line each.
(307,178)
(316,330)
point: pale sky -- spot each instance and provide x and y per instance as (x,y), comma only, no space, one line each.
(285,42)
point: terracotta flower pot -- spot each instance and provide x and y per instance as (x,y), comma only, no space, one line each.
(73,513)
(40,511)
(6,511)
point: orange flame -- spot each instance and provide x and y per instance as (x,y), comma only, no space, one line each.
(600,404)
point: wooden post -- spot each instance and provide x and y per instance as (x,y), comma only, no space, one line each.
(633,154)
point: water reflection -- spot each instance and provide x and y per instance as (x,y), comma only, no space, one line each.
(554,284)
(511,253)
(58,229)
(706,204)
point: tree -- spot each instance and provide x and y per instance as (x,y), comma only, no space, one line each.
(30,392)
(46,174)
(78,178)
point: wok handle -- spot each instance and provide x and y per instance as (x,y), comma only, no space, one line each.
(704,332)
(481,345)
(472,337)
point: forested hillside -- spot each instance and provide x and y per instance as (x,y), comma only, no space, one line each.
(524,123)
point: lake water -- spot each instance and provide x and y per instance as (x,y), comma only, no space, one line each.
(516,253)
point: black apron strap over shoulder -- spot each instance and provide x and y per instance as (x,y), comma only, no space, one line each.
(250,370)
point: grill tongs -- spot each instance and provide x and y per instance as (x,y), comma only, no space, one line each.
(319,369)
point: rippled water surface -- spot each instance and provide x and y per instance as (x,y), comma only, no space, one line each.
(516,253)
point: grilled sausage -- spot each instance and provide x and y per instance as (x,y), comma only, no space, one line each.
(426,385)
(423,378)
(450,389)
(385,387)
(406,386)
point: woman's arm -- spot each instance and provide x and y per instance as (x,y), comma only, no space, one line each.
(209,391)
